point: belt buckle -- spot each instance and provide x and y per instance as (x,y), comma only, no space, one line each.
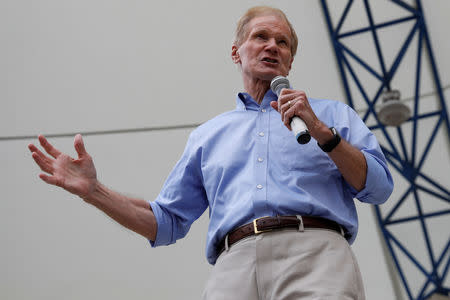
(255,226)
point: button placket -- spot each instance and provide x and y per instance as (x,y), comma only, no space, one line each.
(262,125)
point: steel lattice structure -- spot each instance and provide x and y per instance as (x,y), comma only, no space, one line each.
(402,153)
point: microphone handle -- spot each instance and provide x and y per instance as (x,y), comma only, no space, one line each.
(300,130)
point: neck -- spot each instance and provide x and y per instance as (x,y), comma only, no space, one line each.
(257,89)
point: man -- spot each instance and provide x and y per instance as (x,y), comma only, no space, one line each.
(245,165)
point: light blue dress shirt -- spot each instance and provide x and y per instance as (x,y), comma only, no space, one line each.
(245,164)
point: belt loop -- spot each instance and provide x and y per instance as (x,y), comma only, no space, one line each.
(226,243)
(301,227)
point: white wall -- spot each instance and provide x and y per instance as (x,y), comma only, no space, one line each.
(77,66)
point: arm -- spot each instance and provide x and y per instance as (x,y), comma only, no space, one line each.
(79,177)
(132,213)
(349,160)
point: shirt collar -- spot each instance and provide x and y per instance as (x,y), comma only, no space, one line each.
(245,102)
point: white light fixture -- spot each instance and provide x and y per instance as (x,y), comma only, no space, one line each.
(393,112)
(440,297)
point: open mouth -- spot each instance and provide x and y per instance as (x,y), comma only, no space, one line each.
(270,60)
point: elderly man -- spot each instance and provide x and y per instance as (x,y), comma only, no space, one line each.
(281,214)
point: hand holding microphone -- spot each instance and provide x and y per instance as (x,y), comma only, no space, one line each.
(298,126)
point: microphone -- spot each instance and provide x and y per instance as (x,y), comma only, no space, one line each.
(298,126)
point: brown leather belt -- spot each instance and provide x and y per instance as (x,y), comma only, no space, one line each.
(266,224)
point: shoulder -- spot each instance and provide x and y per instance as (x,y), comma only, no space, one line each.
(214,125)
(332,110)
(327,104)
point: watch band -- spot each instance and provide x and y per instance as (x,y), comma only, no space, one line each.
(330,145)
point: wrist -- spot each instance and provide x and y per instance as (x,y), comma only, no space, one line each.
(96,191)
(332,143)
(321,133)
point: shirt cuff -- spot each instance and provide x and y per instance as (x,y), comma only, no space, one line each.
(164,232)
(379,183)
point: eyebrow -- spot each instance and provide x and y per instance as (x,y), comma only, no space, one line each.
(264,30)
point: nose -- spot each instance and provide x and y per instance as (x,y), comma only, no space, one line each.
(272,45)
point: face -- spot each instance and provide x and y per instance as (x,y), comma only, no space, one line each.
(266,50)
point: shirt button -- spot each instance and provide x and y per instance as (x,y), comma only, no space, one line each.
(260,159)
(263,110)
(259,186)
(261,133)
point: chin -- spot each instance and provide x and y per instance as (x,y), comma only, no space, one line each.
(269,74)
(274,72)
(272,75)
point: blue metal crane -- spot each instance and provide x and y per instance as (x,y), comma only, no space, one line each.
(400,141)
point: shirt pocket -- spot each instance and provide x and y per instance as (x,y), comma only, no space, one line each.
(308,158)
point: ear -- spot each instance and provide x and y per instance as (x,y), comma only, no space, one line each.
(235,54)
(290,64)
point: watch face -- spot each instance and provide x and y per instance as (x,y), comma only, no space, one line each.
(333,143)
(334,131)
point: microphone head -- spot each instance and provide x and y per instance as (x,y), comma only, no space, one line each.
(279,83)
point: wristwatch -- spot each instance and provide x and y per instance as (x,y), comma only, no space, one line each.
(330,145)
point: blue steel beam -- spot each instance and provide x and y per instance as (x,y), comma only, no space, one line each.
(408,164)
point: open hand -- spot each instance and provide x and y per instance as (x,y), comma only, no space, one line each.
(78,176)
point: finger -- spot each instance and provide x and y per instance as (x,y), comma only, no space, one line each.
(292,95)
(79,146)
(283,99)
(35,152)
(287,120)
(35,149)
(290,91)
(286,91)
(287,94)
(294,110)
(49,179)
(285,107)
(274,105)
(48,147)
(32,148)
(43,164)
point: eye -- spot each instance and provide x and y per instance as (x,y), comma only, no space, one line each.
(261,36)
(283,42)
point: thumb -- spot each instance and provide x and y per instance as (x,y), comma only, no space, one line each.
(79,146)
(274,105)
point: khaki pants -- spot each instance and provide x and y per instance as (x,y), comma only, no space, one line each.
(287,264)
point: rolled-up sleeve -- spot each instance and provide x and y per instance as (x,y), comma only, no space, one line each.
(164,234)
(182,199)
(379,183)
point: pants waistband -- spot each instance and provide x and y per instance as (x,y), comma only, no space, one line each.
(266,224)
